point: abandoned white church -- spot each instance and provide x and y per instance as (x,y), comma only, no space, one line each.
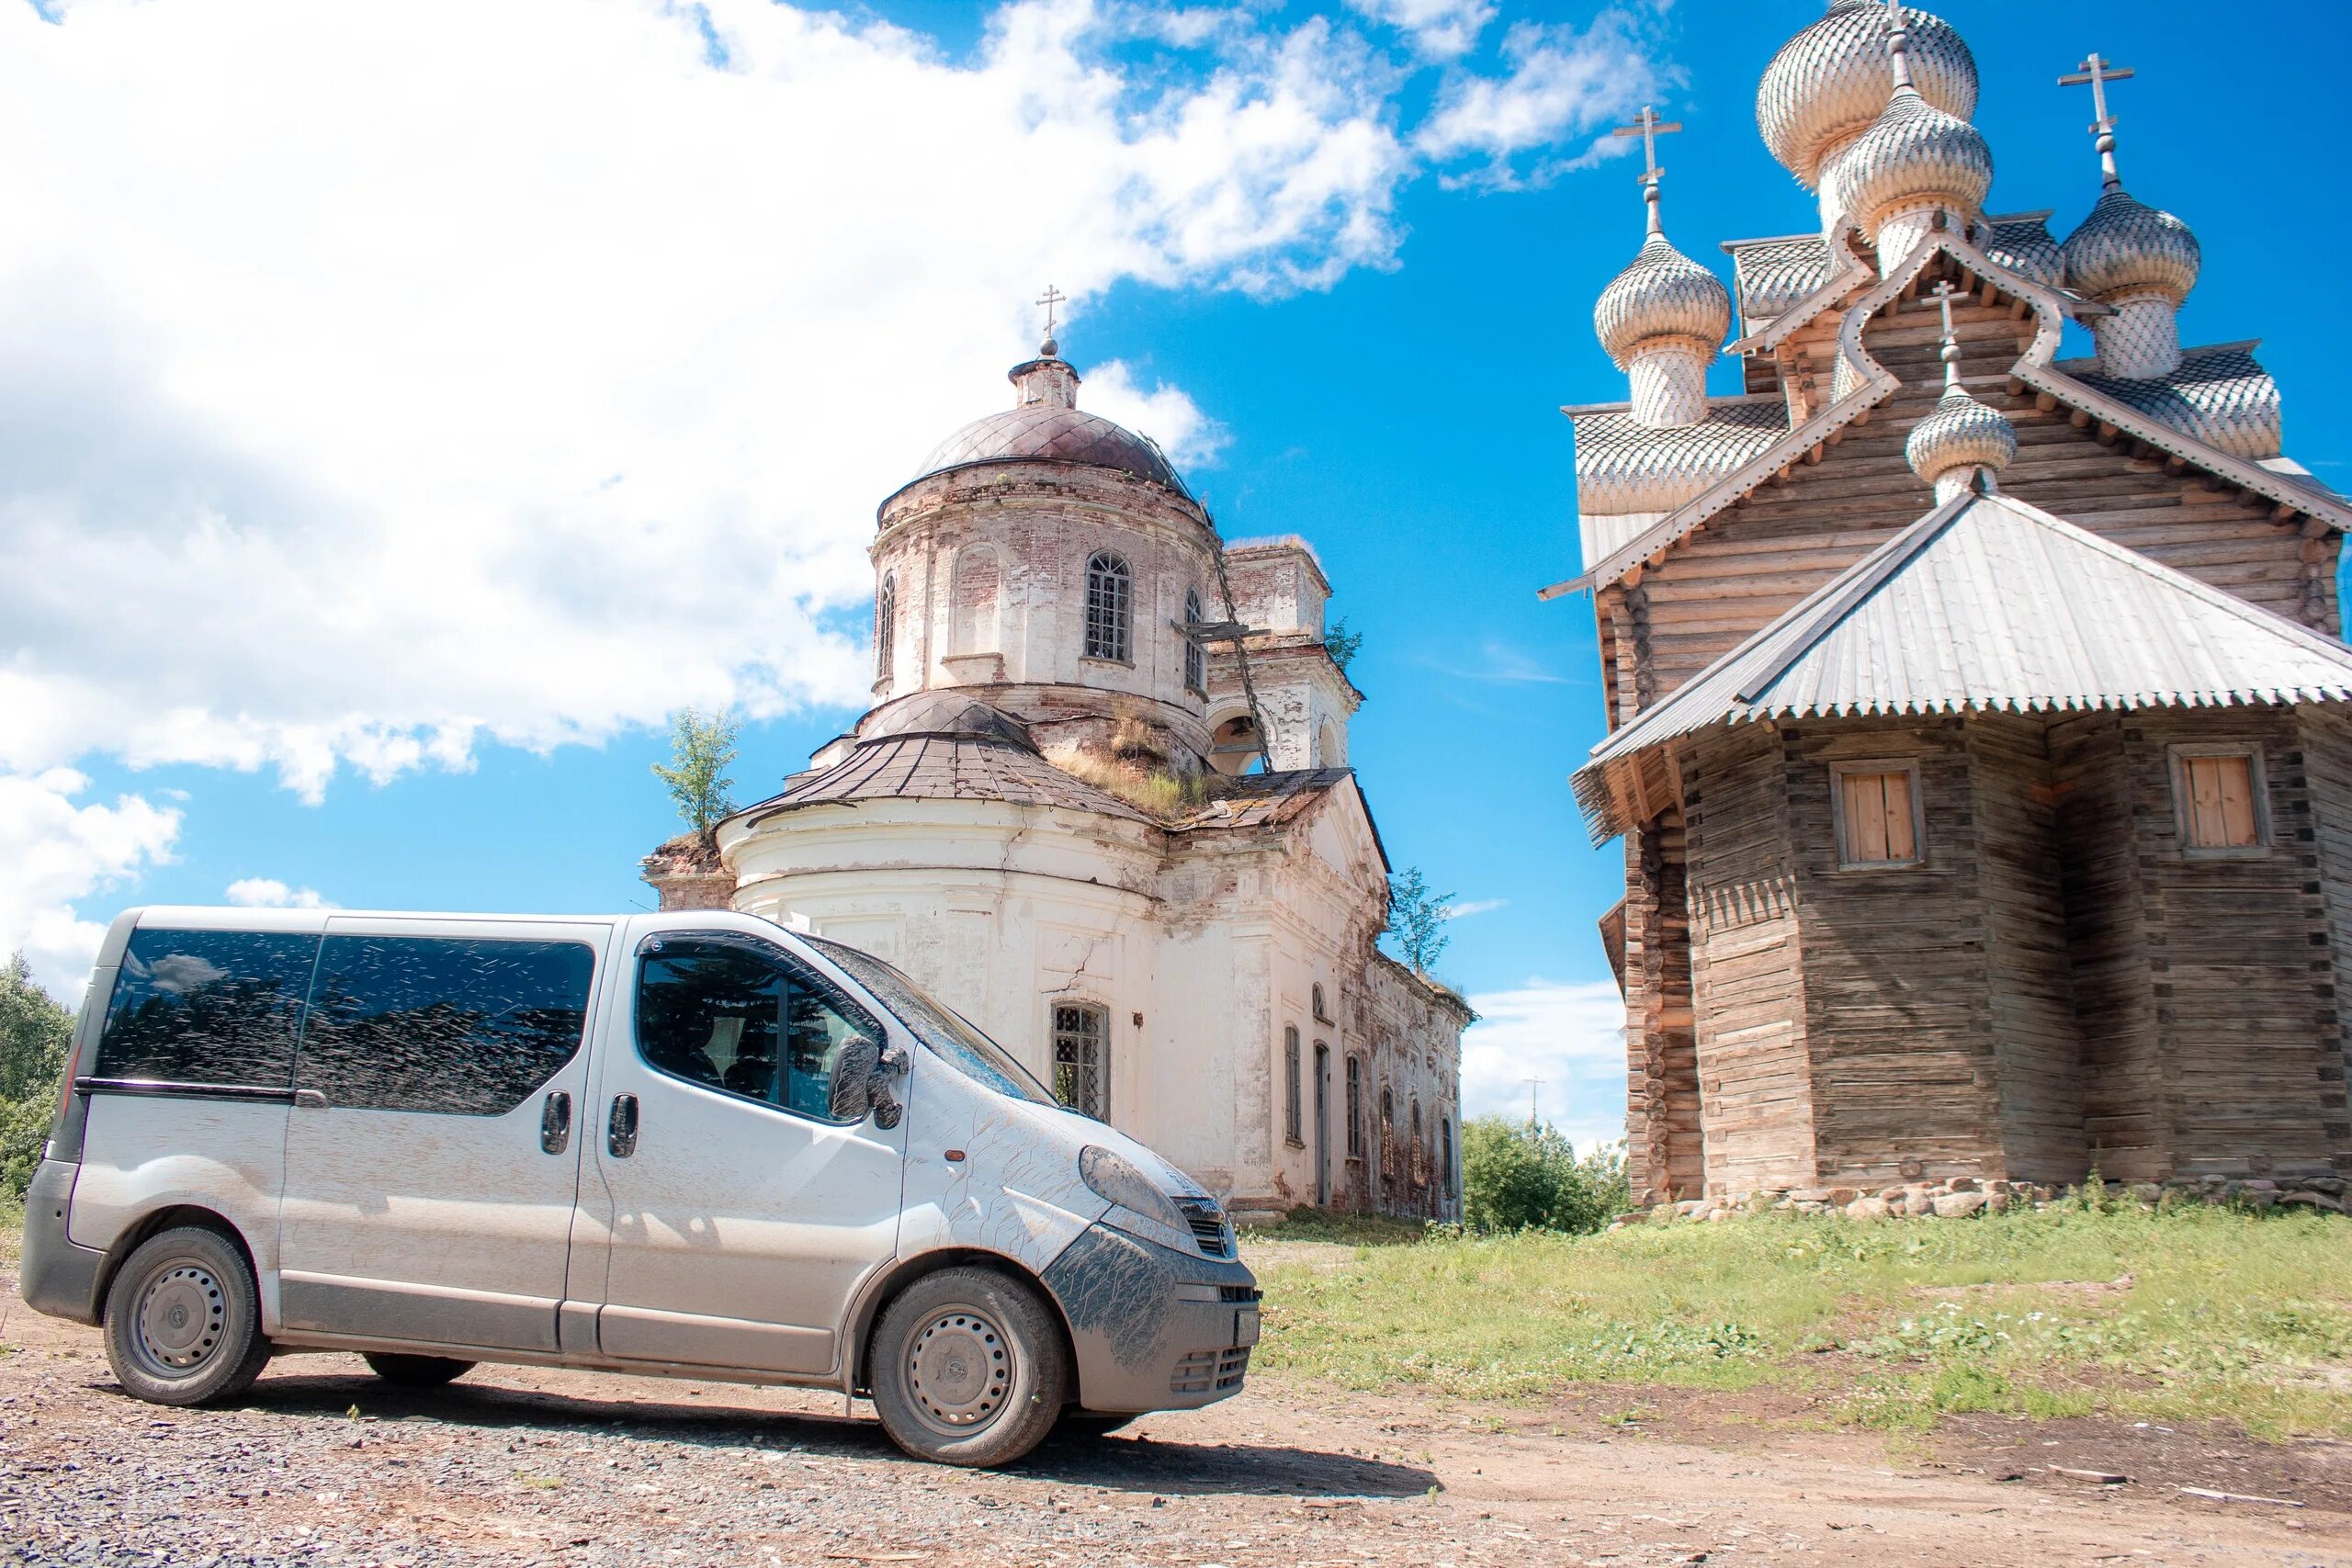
(1102,806)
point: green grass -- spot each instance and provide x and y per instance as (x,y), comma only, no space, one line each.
(1340,1229)
(2198,1312)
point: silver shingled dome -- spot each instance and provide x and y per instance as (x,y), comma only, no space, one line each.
(1960,433)
(1662,294)
(1831,81)
(1915,152)
(2125,246)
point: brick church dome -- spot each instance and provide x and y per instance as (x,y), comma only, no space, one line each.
(1046,426)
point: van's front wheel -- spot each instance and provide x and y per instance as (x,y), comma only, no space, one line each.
(969,1369)
(183,1323)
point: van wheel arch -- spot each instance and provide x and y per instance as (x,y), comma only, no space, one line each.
(908,1270)
(162,1220)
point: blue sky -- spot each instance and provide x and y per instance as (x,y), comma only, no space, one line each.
(404,469)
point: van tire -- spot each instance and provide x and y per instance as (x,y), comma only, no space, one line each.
(995,1355)
(183,1319)
(416,1372)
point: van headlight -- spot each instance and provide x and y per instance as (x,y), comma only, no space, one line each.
(1114,1180)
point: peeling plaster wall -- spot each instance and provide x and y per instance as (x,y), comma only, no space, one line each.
(1200,947)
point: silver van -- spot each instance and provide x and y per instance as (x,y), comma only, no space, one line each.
(691,1145)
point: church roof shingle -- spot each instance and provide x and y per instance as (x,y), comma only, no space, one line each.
(1985,603)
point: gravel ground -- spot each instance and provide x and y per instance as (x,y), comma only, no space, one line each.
(323,1465)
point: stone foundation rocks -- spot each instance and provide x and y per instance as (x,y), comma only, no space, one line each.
(1962,1197)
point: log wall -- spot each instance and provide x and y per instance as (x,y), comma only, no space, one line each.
(1748,969)
(2328,761)
(1662,1145)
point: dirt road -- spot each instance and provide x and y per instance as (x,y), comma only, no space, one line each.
(323,1465)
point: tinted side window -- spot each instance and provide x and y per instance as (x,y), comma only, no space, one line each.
(733,1017)
(206,1007)
(437,1023)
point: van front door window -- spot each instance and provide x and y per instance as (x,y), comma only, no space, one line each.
(728,1016)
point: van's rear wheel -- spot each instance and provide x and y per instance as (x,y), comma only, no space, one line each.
(969,1369)
(417,1371)
(183,1322)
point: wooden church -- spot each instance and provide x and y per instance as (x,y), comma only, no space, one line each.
(1980,735)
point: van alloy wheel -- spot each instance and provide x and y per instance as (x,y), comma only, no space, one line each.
(960,1371)
(183,1319)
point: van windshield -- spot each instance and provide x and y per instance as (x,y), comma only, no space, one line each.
(940,1027)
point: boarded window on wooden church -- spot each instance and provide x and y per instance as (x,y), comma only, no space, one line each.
(2219,796)
(1080,1079)
(1878,814)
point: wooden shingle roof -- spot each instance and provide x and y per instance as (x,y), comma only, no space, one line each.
(1985,603)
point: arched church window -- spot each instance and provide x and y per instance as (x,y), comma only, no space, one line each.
(1388,1130)
(1321,1011)
(1420,1153)
(1197,657)
(1445,1155)
(1294,1119)
(1110,608)
(886,624)
(973,612)
(1082,1058)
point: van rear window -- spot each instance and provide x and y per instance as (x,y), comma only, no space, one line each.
(448,1024)
(207,1007)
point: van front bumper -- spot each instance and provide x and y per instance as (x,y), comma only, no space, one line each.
(1154,1329)
(57,1277)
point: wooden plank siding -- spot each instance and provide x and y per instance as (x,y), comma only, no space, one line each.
(1663,1144)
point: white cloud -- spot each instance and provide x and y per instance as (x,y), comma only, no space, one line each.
(1470,907)
(56,852)
(268,893)
(384,378)
(1572,1036)
(1440,29)
(1561,84)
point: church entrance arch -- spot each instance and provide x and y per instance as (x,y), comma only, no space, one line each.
(1322,1124)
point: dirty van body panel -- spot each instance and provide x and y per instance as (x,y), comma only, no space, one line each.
(56,1276)
(1012,1193)
(428,1197)
(737,1224)
(1152,1328)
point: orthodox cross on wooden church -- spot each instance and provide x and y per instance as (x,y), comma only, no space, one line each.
(1049,298)
(1945,294)
(2096,74)
(1650,128)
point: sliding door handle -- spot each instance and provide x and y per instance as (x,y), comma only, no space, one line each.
(554,1122)
(620,1127)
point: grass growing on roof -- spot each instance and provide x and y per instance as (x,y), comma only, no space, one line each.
(2189,1314)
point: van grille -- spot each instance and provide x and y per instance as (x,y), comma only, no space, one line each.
(1208,1225)
(1205,1369)
(1240,1294)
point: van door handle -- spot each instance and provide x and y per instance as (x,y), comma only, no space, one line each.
(621,1128)
(554,1122)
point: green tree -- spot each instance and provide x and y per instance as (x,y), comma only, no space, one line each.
(1341,643)
(34,1034)
(701,746)
(1519,1175)
(1417,919)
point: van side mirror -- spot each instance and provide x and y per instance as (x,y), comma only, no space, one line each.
(892,1066)
(851,1095)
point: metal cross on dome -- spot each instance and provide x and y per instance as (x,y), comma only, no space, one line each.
(1650,128)
(2096,74)
(1945,294)
(1049,298)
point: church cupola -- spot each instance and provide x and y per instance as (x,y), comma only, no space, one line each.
(1963,444)
(1829,84)
(1916,165)
(2139,262)
(1048,381)
(1662,319)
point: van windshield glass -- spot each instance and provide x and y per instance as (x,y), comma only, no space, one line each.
(943,1029)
